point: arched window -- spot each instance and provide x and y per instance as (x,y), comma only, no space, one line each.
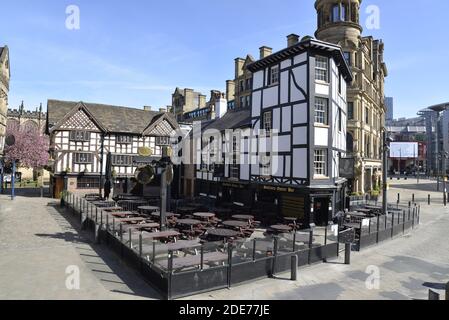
(31,126)
(12,125)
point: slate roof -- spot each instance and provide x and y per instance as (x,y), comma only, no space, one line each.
(233,119)
(115,119)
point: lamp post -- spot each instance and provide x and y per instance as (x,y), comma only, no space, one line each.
(385,149)
(442,157)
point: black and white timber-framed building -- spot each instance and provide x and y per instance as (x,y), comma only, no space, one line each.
(83,134)
(284,157)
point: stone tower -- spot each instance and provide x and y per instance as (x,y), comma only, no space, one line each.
(339,23)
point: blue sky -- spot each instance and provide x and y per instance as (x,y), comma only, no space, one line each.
(136,52)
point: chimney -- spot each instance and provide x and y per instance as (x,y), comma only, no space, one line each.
(230,90)
(265,51)
(292,40)
(239,62)
(147,108)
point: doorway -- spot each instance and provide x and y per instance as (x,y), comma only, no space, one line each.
(321,213)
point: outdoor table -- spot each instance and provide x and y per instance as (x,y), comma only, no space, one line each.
(204,215)
(130,220)
(167,214)
(191,261)
(235,224)
(373,207)
(141,226)
(160,235)
(124,214)
(291,219)
(148,208)
(103,204)
(364,210)
(189,222)
(244,217)
(112,209)
(281,228)
(222,233)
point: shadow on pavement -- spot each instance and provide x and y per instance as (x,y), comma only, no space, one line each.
(118,268)
(28,192)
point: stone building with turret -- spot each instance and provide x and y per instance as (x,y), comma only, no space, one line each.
(4,90)
(339,23)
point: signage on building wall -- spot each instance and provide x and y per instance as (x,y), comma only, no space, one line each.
(347,168)
(279,189)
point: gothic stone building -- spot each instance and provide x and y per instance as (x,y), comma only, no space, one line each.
(339,23)
(4,90)
(282,155)
(83,134)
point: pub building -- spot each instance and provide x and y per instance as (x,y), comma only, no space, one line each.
(285,159)
(83,136)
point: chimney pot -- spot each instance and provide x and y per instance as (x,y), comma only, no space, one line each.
(292,39)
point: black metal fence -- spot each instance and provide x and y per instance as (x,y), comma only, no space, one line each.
(398,221)
(212,265)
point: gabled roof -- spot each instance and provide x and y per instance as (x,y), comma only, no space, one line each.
(111,119)
(304,45)
(233,119)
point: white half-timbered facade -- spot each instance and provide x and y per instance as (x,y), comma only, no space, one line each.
(295,135)
(82,135)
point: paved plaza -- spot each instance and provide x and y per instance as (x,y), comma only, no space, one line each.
(38,242)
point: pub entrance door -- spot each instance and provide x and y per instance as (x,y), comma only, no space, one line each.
(321,213)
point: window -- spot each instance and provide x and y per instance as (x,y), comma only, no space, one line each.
(321,68)
(162,141)
(366,115)
(242,102)
(265,165)
(248,84)
(248,101)
(273,75)
(80,136)
(122,160)
(340,123)
(339,83)
(83,158)
(320,163)
(267,122)
(235,169)
(87,183)
(338,13)
(347,56)
(242,88)
(124,139)
(321,110)
(350,110)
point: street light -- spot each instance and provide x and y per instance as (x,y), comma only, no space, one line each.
(385,148)
(443,156)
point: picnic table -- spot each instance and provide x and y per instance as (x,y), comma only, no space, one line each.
(167,214)
(124,214)
(235,224)
(112,209)
(244,217)
(188,222)
(148,208)
(222,233)
(141,226)
(204,215)
(130,220)
(281,228)
(161,235)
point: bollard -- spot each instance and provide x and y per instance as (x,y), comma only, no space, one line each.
(428,199)
(447,291)
(409,204)
(130,239)
(347,253)
(413,198)
(399,198)
(140,244)
(294,272)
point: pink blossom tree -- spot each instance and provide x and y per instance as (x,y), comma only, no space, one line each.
(30,149)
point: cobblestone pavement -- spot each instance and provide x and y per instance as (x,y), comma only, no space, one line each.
(38,242)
